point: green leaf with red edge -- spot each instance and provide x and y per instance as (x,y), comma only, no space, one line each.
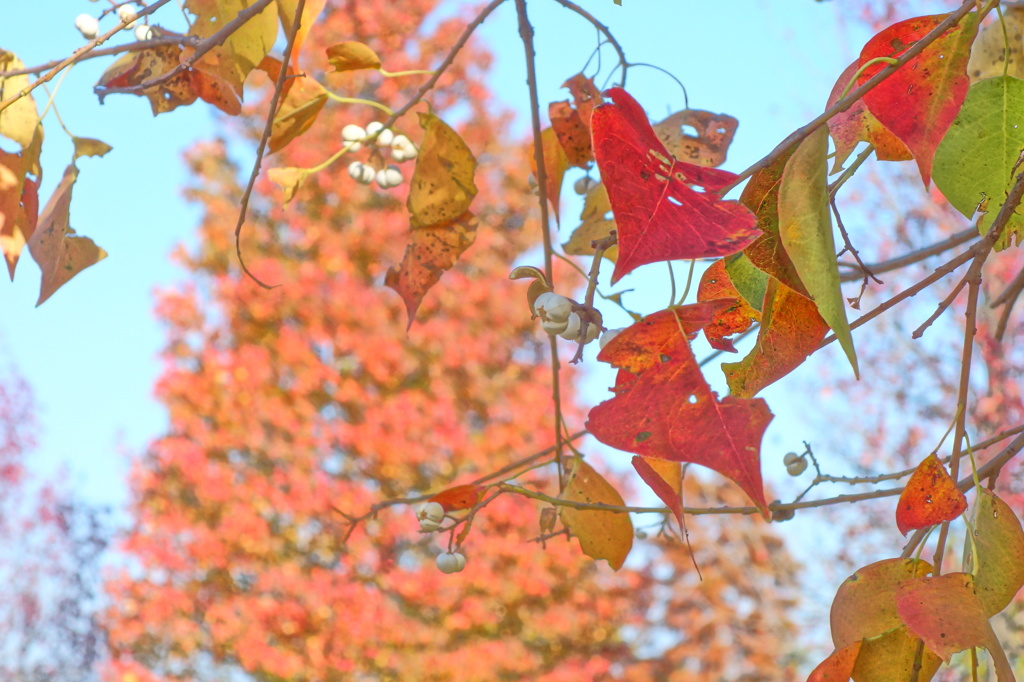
(460,497)
(791,329)
(665,479)
(711,143)
(659,216)
(930,497)
(136,68)
(998,567)
(602,534)
(59,252)
(442,187)
(857,124)
(946,613)
(865,604)
(921,99)
(737,318)
(761,196)
(664,408)
(555,165)
(232,58)
(805,229)
(838,667)
(432,251)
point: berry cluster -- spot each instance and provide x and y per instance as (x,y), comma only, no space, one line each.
(559,315)
(376,136)
(795,464)
(89,26)
(431,515)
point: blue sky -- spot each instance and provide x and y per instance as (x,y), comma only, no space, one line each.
(90,352)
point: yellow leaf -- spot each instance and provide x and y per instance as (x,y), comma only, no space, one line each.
(442,185)
(18,121)
(352,56)
(594,226)
(310,12)
(290,179)
(88,146)
(602,534)
(241,51)
(302,102)
(990,52)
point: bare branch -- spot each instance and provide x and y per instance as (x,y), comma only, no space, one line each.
(603,29)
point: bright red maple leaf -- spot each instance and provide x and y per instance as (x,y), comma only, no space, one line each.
(664,408)
(664,209)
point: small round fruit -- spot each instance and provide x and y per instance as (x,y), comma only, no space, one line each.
(451,562)
(641,534)
(398,155)
(389,177)
(583,185)
(572,327)
(552,306)
(790,458)
(87,25)
(608,336)
(127,14)
(553,326)
(385,138)
(432,511)
(593,331)
(361,172)
(428,526)
(351,134)
(796,468)
(143,32)
(402,144)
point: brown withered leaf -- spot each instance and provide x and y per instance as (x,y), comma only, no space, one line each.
(60,253)
(711,143)
(442,186)
(135,68)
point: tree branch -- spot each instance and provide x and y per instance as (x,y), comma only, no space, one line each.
(169,39)
(603,29)
(913,257)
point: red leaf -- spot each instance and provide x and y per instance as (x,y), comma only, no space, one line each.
(737,318)
(664,408)
(857,124)
(659,214)
(432,252)
(791,329)
(664,489)
(931,497)
(459,497)
(838,667)
(919,102)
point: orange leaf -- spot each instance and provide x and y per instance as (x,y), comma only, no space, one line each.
(301,102)
(459,497)
(310,12)
(664,408)
(930,497)
(665,479)
(555,165)
(737,318)
(602,534)
(838,667)
(572,134)
(352,56)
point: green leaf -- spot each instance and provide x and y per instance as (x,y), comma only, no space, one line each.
(805,227)
(749,281)
(974,165)
(999,541)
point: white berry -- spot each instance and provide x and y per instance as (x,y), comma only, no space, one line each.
(553,326)
(385,136)
(361,172)
(87,25)
(608,336)
(790,458)
(431,510)
(451,562)
(572,327)
(551,306)
(404,146)
(398,155)
(352,134)
(583,185)
(143,32)
(593,331)
(389,177)
(797,467)
(127,14)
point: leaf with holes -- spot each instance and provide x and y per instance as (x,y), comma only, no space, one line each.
(352,56)
(976,163)
(664,209)
(433,251)
(460,497)
(594,226)
(602,534)
(920,100)
(233,57)
(930,497)
(791,329)
(60,253)
(708,147)
(136,68)
(857,124)
(945,612)
(442,186)
(805,228)
(736,319)
(664,408)
(996,555)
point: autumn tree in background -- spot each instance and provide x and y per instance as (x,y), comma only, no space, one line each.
(51,544)
(294,407)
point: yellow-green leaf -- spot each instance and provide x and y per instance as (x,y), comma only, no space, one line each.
(595,225)
(310,12)
(602,534)
(890,657)
(19,120)
(88,146)
(999,541)
(442,186)
(352,56)
(240,52)
(805,227)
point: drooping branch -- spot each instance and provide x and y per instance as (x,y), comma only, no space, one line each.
(603,29)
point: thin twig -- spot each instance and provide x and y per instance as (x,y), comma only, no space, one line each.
(77,56)
(267,130)
(854,303)
(1008,299)
(846,102)
(914,256)
(603,29)
(943,305)
(138,46)
(201,49)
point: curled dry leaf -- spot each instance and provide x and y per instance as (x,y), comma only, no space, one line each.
(136,68)
(352,56)
(711,143)
(602,534)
